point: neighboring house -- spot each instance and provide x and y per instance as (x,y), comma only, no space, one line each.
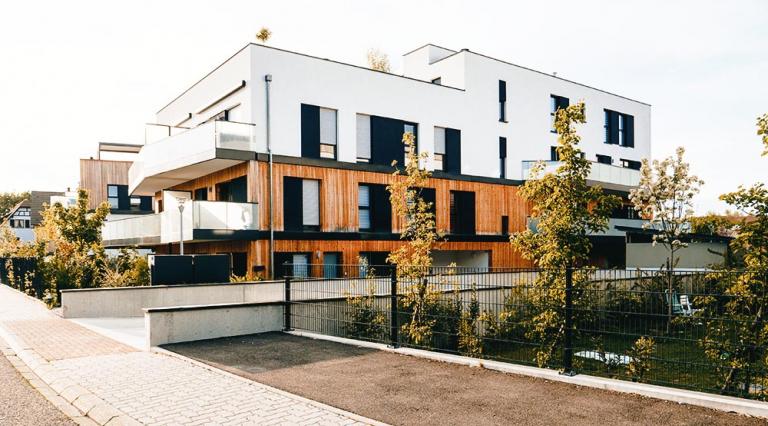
(27,214)
(279,156)
(106,180)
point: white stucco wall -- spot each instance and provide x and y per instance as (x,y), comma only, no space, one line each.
(472,108)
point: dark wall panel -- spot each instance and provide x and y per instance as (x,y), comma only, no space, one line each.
(310,131)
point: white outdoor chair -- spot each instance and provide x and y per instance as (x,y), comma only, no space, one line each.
(687,307)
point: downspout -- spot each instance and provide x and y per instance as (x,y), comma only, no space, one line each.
(267,81)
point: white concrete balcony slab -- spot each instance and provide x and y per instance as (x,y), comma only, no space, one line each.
(599,173)
(201,221)
(192,153)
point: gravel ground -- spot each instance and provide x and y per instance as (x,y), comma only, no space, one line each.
(21,404)
(402,390)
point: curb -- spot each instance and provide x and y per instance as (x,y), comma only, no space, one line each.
(76,402)
(681,396)
(350,415)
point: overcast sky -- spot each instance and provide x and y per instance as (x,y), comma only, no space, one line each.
(74,73)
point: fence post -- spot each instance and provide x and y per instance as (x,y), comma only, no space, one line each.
(287,309)
(393,325)
(568,346)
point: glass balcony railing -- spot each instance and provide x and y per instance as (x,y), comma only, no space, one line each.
(165,227)
(599,172)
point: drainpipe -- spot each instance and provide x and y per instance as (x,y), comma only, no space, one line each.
(267,81)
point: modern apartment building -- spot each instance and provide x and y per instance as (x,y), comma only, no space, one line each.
(27,214)
(280,156)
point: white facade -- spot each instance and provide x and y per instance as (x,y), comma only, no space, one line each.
(466,99)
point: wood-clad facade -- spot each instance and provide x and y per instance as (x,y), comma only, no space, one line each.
(338,231)
(95,175)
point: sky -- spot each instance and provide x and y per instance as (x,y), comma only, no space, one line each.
(76,73)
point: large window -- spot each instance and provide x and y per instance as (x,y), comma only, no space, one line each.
(502,101)
(619,129)
(380,139)
(462,211)
(439,148)
(118,199)
(234,191)
(363,138)
(301,204)
(374,208)
(448,150)
(556,103)
(318,132)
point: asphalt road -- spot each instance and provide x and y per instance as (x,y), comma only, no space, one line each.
(21,404)
(404,390)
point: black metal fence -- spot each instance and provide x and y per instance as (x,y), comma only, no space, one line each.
(22,274)
(685,329)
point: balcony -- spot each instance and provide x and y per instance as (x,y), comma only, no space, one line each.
(195,152)
(599,173)
(202,221)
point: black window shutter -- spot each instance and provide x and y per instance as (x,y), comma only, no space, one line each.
(629,131)
(387,141)
(502,147)
(553,155)
(613,127)
(381,209)
(123,200)
(292,204)
(310,131)
(467,208)
(452,160)
(561,102)
(502,91)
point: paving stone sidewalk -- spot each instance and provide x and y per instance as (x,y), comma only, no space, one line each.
(114,384)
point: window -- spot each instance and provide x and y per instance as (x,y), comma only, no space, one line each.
(233,191)
(439,148)
(112,197)
(328,134)
(604,159)
(502,157)
(363,138)
(374,210)
(135,203)
(437,80)
(505,225)
(462,210)
(301,204)
(619,129)
(502,101)
(448,150)
(374,262)
(556,103)
(294,264)
(553,154)
(201,194)
(409,128)
(332,265)
(364,207)
(625,211)
(318,132)
(630,164)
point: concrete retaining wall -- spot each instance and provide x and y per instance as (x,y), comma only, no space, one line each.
(189,323)
(131,301)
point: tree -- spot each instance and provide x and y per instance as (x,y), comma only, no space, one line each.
(762,130)
(9,242)
(378,60)
(722,225)
(9,200)
(740,344)
(664,197)
(414,259)
(263,35)
(69,246)
(567,210)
